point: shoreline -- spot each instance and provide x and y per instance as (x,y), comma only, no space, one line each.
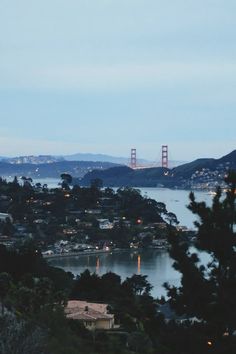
(85,253)
(97,252)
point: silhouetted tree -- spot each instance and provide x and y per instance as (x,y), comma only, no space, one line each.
(66,181)
(172,219)
(96,183)
(138,284)
(209,292)
(5,285)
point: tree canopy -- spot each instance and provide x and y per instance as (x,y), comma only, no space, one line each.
(208,292)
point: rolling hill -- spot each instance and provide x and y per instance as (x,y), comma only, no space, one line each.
(52,170)
(206,172)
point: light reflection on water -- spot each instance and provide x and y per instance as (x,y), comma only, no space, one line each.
(154,263)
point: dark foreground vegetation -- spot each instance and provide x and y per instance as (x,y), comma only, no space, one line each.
(33,295)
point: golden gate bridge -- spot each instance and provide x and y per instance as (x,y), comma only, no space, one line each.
(164,161)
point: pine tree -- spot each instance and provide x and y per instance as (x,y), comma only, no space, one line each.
(209,292)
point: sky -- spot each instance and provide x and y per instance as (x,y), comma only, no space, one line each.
(105,76)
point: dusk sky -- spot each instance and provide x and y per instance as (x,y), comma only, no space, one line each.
(104,76)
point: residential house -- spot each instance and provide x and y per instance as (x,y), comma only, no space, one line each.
(105,224)
(5,216)
(92,315)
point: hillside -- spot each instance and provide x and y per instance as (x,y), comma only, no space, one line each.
(52,170)
(125,176)
(186,170)
(201,173)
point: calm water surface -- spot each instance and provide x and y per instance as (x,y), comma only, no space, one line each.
(154,263)
(176,201)
(157,265)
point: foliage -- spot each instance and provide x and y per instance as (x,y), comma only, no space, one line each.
(27,259)
(209,291)
(21,336)
(66,181)
(138,284)
(134,206)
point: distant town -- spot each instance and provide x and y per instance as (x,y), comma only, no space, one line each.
(74,220)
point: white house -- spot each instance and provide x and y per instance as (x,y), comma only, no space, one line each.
(105,224)
(5,216)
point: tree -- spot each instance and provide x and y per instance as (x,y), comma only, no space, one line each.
(139,342)
(209,292)
(5,285)
(27,181)
(45,188)
(8,228)
(66,180)
(96,183)
(161,207)
(172,219)
(15,181)
(134,206)
(38,186)
(21,336)
(138,284)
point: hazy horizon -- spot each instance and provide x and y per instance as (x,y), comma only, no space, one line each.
(141,158)
(107,76)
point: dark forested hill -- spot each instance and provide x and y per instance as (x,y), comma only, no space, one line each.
(205,172)
(125,176)
(187,170)
(54,169)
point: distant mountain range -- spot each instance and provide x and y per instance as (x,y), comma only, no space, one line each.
(201,173)
(97,157)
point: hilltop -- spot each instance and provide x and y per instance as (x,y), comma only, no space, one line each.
(125,176)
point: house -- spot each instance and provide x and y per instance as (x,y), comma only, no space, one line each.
(170,315)
(93,211)
(92,315)
(5,216)
(48,253)
(105,224)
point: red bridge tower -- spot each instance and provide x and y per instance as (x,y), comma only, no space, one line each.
(133,158)
(164,156)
